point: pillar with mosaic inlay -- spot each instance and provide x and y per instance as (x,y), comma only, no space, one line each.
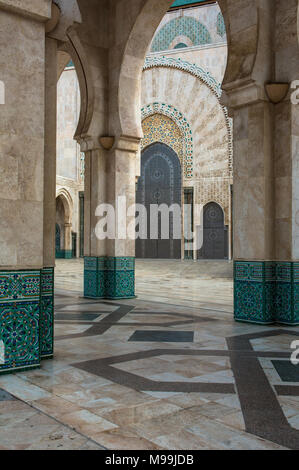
(22,132)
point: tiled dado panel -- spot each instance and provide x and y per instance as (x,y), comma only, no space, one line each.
(26,318)
(109,277)
(64,254)
(47,313)
(94,277)
(20,319)
(267,292)
(287,293)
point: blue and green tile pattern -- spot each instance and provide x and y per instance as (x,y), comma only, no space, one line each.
(187,26)
(26,318)
(47,313)
(267,292)
(20,295)
(64,254)
(109,277)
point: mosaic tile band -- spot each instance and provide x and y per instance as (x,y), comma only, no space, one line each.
(206,77)
(267,292)
(109,277)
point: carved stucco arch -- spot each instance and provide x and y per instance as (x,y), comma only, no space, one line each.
(206,78)
(129,82)
(74,50)
(243,20)
(67,202)
(70,47)
(182,123)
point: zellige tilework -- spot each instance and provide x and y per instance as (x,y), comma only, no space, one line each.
(20,293)
(266,292)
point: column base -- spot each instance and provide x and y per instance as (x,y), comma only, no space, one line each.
(266,292)
(20,306)
(110,278)
(26,319)
(47,313)
(64,254)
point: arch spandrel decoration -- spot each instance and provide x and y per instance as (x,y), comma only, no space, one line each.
(180,122)
(160,128)
(208,79)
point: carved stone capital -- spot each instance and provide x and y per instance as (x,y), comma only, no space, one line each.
(69,16)
(88,143)
(128,144)
(239,94)
(38,10)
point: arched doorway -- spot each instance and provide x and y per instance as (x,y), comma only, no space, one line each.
(160,183)
(215,233)
(63,241)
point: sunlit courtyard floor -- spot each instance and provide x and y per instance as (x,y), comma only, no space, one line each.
(187,282)
(168,370)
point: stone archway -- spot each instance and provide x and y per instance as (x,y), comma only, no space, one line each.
(261,49)
(64,206)
(259,223)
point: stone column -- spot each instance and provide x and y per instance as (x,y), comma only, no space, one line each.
(267,286)
(265,198)
(110,179)
(286,212)
(22,180)
(47,274)
(254,210)
(94,249)
(286,167)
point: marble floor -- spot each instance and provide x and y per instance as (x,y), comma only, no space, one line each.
(168,370)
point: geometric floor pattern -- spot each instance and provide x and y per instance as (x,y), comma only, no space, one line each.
(163,336)
(226,389)
(287,371)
